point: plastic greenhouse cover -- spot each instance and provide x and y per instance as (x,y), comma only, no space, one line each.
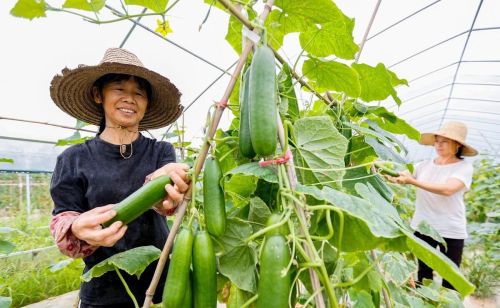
(448,50)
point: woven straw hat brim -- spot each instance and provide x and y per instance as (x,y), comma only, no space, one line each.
(429,138)
(72,92)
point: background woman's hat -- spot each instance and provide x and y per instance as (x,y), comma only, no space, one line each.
(452,130)
(72,91)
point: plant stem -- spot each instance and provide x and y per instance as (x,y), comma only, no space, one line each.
(250,301)
(200,160)
(136,305)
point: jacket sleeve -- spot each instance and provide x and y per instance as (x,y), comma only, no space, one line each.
(68,244)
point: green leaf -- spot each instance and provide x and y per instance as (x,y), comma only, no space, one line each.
(370,194)
(81,124)
(397,267)
(6,247)
(60,265)
(259,213)
(331,38)
(390,122)
(234,29)
(361,175)
(238,265)
(29,9)
(5,302)
(331,75)
(361,299)
(376,83)
(240,187)
(85,5)
(383,151)
(319,147)
(426,229)
(133,261)
(76,138)
(237,297)
(394,141)
(287,92)
(157,6)
(363,221)
(236,233)
(440,263)
(6,160)
(361,152)
(267,173)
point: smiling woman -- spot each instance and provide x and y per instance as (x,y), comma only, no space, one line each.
(122,97)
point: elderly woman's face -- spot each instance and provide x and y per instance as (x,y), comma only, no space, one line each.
(124,103)
(445,146)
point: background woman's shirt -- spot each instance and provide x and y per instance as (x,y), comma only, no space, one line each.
(446,214)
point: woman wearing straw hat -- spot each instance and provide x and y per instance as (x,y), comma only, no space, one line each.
(441,184)
(122,97)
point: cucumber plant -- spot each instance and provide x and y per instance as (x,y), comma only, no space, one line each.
(331,226)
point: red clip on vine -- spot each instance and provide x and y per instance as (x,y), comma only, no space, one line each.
(278,161)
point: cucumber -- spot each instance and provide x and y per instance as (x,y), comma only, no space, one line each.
(273,289)
(187,302)
(204,271)
(385,170)
(178,270)
(140,201)
(213,198)
(274,219)
(245,141)
(262,102)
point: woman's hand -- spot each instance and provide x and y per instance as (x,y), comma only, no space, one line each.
(178,173)
(404,177)
(87,227)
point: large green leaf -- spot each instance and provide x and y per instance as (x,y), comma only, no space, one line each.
(237,231)
(440,263)
(29,9)
(238,265)
(383,151)
(397,267)
(376,82)
(425,228)
(267,173)
(240,187)
(259,213)
(319,147)
(157,6)
(367,223)
(76,138)
(287,92)
(388,120)
(85,5)
(6,247)
(370,194)
(361,175)
(6,160)
(331,76)
(133,261)
(331,38)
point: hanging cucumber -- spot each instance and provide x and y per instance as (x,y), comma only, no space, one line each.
(262,102)
(178,271)
(187,302)
(384,170)
(204,271)
(213,198)
(274,219)
(274,287)
(140,201)
(245,141)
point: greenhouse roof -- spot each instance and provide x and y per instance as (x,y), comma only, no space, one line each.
(448,51)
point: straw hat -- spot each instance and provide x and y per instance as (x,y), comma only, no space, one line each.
(72,91)
(452,130)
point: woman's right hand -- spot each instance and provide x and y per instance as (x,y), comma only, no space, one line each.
(87,227)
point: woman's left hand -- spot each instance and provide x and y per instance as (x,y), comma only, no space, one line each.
(178,173)
(404,177)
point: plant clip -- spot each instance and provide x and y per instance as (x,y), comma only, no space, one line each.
(278,161)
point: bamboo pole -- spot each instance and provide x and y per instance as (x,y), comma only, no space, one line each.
(201,159)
